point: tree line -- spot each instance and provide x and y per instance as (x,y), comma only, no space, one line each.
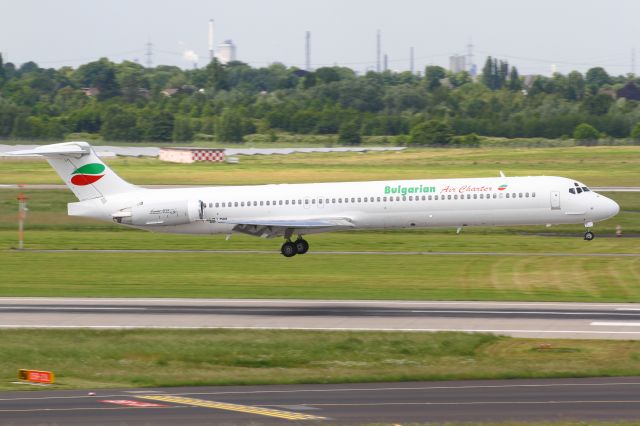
(128,102)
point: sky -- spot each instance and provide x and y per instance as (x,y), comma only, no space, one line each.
(537,36)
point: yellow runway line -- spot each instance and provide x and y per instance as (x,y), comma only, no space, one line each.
(233,407)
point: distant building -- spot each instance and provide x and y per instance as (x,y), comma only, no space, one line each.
(226,52)
(457,63)
(90,91)
(190,155)
(629,91)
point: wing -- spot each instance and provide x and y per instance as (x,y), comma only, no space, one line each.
(268,228)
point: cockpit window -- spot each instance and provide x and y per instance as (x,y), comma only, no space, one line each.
(585,189)
(579,190)
(571,190)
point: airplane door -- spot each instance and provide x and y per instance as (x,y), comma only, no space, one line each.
(555,200)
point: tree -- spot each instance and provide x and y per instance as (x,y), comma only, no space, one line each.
(156,126)
(230,127)
(432,75)
(119,125)
(100,74)
(596,78)
(432,132)
(182,130)
(585,132)
(3,76)
(514,80)
(597,104)
(635,133)
(349,133)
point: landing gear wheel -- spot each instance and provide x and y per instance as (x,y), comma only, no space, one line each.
(288,249)
(588,236)
(302,246)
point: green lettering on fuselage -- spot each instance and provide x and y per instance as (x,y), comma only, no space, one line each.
(404,190)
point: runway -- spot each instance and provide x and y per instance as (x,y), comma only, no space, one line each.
(518,319)
(460,401)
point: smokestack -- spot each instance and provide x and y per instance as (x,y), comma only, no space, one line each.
(411,62)
(386,62)
(378,51)
(210,40)
(307,51)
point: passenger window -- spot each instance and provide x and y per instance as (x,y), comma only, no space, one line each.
(378,199)
(235,204)
(533,195)
(403,198)
(359,200)
(255,203)
(475,196)
(384,199)
(448,197)
(242,204)
(508,195)
(353,200)
(430,198)
(455,197)
(468,196)
(520,195)
(424,197)
(280,202)
(526,194)
(217,205)
(319,200)
(210,205)
(313,201)
(410,197)
(340,200)
(481,195)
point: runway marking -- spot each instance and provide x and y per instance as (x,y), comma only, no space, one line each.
(332,389)
(627,309)
(69,308)
(339,404)
(408,330)
(616,324)
(289,415)
(35,410)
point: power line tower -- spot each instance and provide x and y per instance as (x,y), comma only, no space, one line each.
(378,51)
(149,54)
(307,51)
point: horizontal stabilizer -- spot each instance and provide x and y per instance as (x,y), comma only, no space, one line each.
(71,149)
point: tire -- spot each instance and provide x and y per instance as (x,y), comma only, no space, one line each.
(288,249)
(588,236)
(302,246)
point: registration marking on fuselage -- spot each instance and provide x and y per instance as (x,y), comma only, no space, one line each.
(289,415)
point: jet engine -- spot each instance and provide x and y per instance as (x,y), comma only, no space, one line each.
(161,213)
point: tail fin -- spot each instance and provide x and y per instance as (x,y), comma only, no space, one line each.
(81,169)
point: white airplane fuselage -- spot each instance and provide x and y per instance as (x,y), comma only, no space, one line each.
(366,205)
(299,209)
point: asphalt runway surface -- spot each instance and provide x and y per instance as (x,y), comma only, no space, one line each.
(518,319)
(398,403)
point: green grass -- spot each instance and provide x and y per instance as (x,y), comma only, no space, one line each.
(595,166)
(316,276)
(91,359)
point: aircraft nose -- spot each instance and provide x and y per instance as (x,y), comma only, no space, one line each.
(610,208)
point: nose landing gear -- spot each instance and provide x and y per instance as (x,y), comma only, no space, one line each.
(290,249)
(588,236)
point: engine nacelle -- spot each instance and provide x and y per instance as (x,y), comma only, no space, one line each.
(161,213)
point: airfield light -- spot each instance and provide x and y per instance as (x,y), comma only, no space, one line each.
(22,215)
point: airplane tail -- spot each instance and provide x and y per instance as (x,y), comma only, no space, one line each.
(81,170)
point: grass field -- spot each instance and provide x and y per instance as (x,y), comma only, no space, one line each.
(318,276)
(365,276)
(92,359)
(595,166)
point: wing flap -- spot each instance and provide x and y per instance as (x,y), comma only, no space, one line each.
(295,223)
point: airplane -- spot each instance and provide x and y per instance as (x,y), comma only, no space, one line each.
(285,210)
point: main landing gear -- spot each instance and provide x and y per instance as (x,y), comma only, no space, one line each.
(299,246)
(588,236)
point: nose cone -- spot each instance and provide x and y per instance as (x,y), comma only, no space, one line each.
(609,208)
